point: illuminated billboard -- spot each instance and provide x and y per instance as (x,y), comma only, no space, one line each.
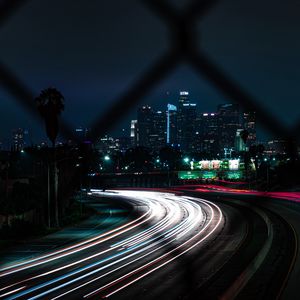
(234,164)
(205,164)
(215,164)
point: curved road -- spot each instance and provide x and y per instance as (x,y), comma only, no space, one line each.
(166,230)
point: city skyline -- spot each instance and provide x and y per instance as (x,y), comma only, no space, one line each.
(149,149)
(123,128)
(95,71)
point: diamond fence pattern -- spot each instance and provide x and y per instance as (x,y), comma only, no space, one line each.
(183,49)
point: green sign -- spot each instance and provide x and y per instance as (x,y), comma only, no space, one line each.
(189,174)
(209,174)
(197,174)
(234,175)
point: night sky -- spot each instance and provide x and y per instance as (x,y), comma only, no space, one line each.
(93,50)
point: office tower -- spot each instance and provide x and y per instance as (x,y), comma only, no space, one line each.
(277,146)
(171,124)
(107,144)
(158,136)
(249,120)
(18,137)
(134,134)
(207,134)
(186,122)
(123,142)
(145,125)
(239,143)
(81,133)
(229,122)
(183,98)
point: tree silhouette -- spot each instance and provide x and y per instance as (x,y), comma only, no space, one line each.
(244,135)
(256,152)
(50,104)
(171,156)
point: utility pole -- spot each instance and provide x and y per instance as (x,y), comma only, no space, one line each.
(48,195)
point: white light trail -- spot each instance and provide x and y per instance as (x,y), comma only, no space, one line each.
(161,257)
(174,224)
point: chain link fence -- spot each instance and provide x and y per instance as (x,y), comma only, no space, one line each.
(181,24)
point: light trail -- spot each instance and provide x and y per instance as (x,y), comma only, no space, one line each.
(102,268)
(176,223)
(169,216)
(159,259)
(77,247)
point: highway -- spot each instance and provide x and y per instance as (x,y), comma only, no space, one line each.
(165,229)
(173,244)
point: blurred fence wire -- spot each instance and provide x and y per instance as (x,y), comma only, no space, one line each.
(183,48)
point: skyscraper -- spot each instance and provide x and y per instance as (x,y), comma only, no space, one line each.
(18,139)
(229,120)
(171,124)
(81,133)
(249,120)
(239,143)
(158,136)
(134,134)
(145,125)
(186,122)
(208,134)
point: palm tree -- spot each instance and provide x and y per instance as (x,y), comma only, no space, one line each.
(50,104)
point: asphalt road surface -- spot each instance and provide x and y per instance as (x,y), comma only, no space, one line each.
(117,263)
(171,245)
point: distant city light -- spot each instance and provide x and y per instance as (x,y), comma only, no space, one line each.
(184,93)
(234,164)
(186,159)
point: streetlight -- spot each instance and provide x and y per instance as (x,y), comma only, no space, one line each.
(186,159)
(106,157)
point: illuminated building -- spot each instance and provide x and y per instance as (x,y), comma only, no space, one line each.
(249,120)
(277,146)
(207,134)
(171,124)
(158,136)
(145,125)
(229,121)
(81,133)
(107,144)
(123,142)
(19,137)
(186,122)
(239,143)
(134,134)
